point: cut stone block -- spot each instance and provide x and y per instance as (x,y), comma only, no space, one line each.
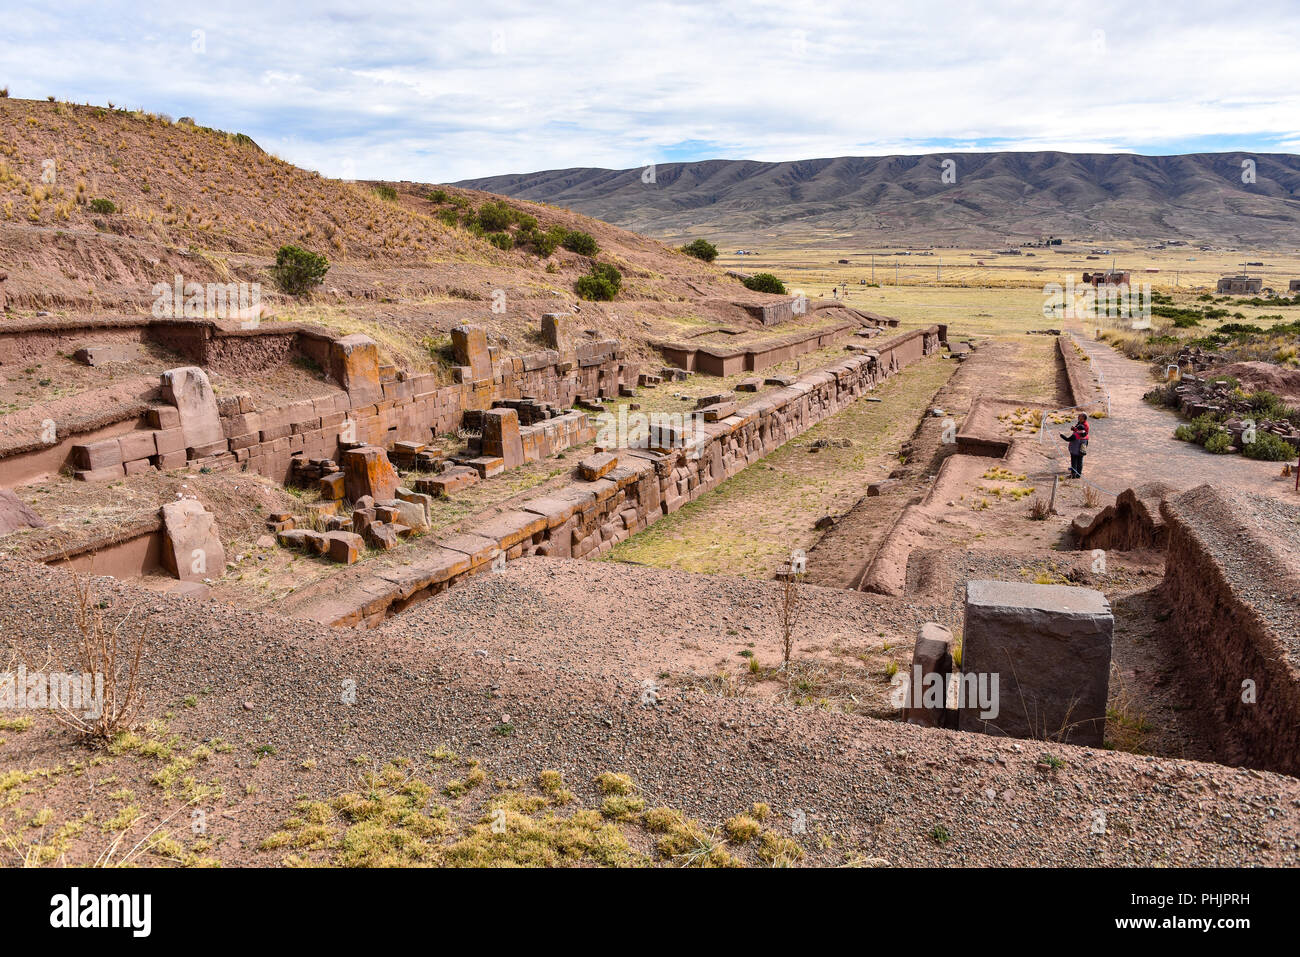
(927,683)
(595,466)
(344,547)
(718,411)
(192,550)
(367,471)
(381,536)
(98,354)
(453,480)
(749,385)
(501,437)
(884,485)
(556,331)
(163,417)
(469,343)
(1049,649)
(138,445)
(332,487)
(188,389)
(354,364)
(98,455)
(488,466)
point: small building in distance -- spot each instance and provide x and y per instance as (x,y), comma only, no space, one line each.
(1241,285)
(1111,277)
(1294,287)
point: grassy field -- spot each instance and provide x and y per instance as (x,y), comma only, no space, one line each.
(978,292)
(749,524)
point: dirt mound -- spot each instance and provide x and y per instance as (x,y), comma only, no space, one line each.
(1257,376)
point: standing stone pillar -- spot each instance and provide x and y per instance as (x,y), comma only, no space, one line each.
(501,437)
(469,343)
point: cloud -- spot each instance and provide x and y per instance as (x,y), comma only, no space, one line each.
(448,91)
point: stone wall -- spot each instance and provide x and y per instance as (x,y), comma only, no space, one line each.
(370,405)
(1231,583)
(588,518)
(1086,392)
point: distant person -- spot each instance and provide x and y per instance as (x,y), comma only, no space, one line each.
(1078,439)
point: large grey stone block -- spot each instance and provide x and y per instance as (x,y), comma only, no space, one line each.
(1048,647)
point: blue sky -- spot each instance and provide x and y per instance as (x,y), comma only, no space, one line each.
(446,91)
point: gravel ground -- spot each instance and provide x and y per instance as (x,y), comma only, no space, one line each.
(560,649)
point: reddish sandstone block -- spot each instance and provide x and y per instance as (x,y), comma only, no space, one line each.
(488,466)
(344,547)
(367,471)
(98,455)
(469,344)
(501,436)
(172,460)
(137,466)
(595,466)
(332,486)
(163,417)
(452,480)
(354,364)
(168,440)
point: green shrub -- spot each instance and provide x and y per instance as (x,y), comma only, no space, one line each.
(701,249)
(765,282)
(386,193)
(1267,404)
(1184,433)
(438,196)
(525,222)
(584,244)
(105,206)
(1267,447)
(495,216)
(501,240)
(297,270)
(1219,443)
(448,216)
(602,283)
(547,242)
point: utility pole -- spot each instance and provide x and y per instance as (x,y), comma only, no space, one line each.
(873,268)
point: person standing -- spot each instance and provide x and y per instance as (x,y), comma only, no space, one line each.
(1078,440)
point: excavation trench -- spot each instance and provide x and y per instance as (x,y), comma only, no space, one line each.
(588,519)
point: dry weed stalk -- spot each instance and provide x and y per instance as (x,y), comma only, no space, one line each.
(789,616)
(103,650)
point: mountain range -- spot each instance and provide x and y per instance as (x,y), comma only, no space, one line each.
(1223,198)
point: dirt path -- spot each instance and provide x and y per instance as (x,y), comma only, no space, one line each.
(1135,444)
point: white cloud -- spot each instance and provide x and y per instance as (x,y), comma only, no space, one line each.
(446,91)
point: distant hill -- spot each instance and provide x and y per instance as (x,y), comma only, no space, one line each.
(997,197)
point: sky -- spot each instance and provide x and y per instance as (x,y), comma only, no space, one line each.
(439,92)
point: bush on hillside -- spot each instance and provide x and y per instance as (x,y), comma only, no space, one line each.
(584,244)
(764,282)
(386,193)
(105,206)
(297,270)
(701,249)
(602,283)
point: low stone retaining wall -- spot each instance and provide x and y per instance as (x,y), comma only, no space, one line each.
(372,406)
(588,518)
(1231,581)
(732,360)
(1085,390)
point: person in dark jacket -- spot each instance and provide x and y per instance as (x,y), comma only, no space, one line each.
(1078,439)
